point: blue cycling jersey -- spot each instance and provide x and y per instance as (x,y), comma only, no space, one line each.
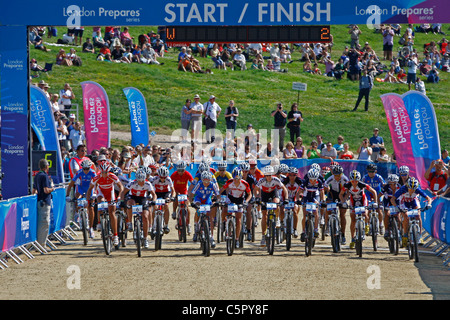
(376,183)
(409,201)
(83,180)
(204,194)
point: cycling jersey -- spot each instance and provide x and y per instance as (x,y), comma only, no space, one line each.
(335,186)
(269,186)
(311,191)
(204,194)
(180,181)
(83,180)
(409,201)
(198,177)
(257,174)
(75,165)
(138,190)
(162,186)
(237,191)
(105,185)
(388,192)
(357,195)
(221,180)
(376,183)
(292,187)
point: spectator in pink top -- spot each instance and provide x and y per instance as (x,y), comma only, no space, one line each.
(126,38)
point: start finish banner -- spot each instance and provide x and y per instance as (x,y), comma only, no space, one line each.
(225,12)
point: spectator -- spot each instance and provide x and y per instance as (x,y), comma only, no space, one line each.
(212,111)
(437,178)
(62,59)
(196,118)
(382,155)
(339,146)
(186,120)
(88,46)
(285,54)
(67,96)
(313,152)
(280,124)
(401,76)
(149,55)
(388,42)
(354,32)
(62,131)
(354,69)
(420,86)
(365,86)
(125,38)
(216,57)
(34,65)
(159,48)
(77,135)
(43,187)
(346,154)
(274,51)
(445,157)
(289,152)
(412,70)
(320,144)
(299,148)
(433,76)
(239,60)
(231,114)
(364,151)
(294,118)
(56,107)
(339,69)
(118,54)
(376,142)
(329,152)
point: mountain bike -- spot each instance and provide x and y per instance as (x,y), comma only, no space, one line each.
(288,223)
(230,227)
(158,222)
(254,224)
(373,224)
(393,237)
(359,229)
(83,216)
(122,229)
(311,207)
(181,217)
(203,231)
(105,224)
(138,234)
(271,226)
(413,233)
(334,226)
(218,219)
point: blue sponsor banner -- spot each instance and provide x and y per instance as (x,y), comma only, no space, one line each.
(58,214)
(43,124)
(14,110)
(138,116)
(18,222)
(227,12)
(436,221)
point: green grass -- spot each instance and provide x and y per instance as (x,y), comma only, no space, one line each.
(325,105)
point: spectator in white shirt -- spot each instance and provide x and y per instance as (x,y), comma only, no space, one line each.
(239,60)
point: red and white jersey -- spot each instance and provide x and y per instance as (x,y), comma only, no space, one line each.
(162,186)
(138,190)
(292,187)
(105,185)
(267,187)
(237,191)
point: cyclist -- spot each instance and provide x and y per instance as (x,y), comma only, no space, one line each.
(313,191)
(333,186)
(389,189)
(292,182)
(373,179)
(202,193)
(75,162)
(181,178)
(254,171)
(407,198)
(245,167)
(266,191)
(403,171)
(355,190)
(236,189)
(82,180)
(104,184)
(139,191)
(164,190)
(222,175)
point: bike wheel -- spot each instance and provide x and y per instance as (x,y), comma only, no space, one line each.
(359,237)
(84,226)
(271,229)
(230,236)
(219,224)
(205,238)
(374,227)
(289,232)
(242,233)
(106,237)
(253,226)
(334,235)
(182,226)
(121,228)
(309,237)
(415,243)
(137,232)
(322,227)
(158,233)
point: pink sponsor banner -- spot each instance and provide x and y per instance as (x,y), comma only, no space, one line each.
(96,116)
(400,127)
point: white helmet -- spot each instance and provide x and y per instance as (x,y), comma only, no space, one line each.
(392,178)
(403,170)
(85,164)
(206,175)
(268,171)
(355,175)
(141,175)
(313,174)
(163,172)
(315,166)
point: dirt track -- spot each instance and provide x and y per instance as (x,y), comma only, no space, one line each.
(180,272)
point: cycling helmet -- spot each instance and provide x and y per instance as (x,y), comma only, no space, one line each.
(237,173)
(116,170)
(315,166)
(313,174)
(141,175)
(268,171)
(403,170)
(283,168)
(206,175)
(293,170)
(371,167)
(412,183)
(338,169)
(392,178)
(222,165)
(355,175)
(181,165)
(104,166)
(244,166)
(325,170)
(203,167)
(85,164)
(163,172)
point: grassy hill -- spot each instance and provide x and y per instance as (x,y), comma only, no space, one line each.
(326,105)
